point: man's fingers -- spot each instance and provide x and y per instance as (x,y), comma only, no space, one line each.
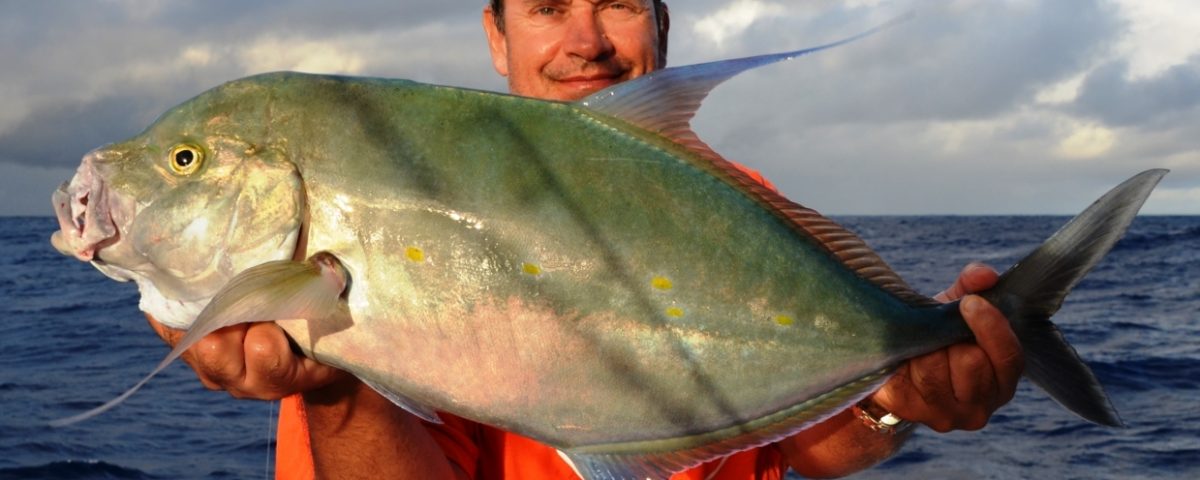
(972,376)
(975,277)
(920,392)
(273,370)
(250,361)
(997,340)
(311,375)
(218,356)
(930,374)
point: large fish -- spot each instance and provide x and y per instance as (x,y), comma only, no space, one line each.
(587,274)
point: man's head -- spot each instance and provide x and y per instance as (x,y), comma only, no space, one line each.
(567,49)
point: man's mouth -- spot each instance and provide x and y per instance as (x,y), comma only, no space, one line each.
(584,81)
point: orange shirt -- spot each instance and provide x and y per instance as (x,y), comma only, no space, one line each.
(487,453)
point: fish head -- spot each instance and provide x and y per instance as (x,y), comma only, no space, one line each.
(200,196)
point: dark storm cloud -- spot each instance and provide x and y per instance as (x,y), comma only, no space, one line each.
(58,136)
(59,130)
(319,17)
(1108,95)
(73,47)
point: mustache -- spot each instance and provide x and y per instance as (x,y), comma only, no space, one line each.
(611,67)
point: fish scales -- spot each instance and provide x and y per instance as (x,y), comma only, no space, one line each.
(603,210)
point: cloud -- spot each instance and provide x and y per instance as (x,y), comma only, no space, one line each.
(1054,99)
(1111,96)
(66,95)
(733,20)
(59,135)
(1159,34)
(1087,141)
(312,56)
(1174,200)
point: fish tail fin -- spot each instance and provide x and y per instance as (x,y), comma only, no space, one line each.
(1034,289)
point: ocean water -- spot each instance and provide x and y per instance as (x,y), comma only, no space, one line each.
(70,338)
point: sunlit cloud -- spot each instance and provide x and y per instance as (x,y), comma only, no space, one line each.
(734,19)
(312,56)
(1160,34)
(1087,141)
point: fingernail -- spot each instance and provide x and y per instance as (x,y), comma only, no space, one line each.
(970,304)
(973,266)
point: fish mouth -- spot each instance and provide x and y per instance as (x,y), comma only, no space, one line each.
(84,211)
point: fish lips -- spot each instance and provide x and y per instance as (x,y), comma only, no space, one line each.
(85,215)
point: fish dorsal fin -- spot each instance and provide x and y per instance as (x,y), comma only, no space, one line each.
(848,248)
(838,242)
(664,101)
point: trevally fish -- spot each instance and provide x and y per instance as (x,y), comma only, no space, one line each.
(587,274)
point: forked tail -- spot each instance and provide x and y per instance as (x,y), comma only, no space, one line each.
(1033,289)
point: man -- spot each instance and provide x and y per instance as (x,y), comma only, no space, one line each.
(564,50)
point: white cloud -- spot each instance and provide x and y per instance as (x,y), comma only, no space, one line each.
(1161,34)
(199,55)
(1173,201)
(1062,92)
(734,19)
(1087,141)
(313,56)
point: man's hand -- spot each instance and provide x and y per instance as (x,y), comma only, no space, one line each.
(960,386)
(251,360)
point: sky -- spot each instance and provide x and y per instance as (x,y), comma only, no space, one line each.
(972,107)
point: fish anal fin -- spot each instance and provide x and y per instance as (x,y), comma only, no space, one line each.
(411,406)
(659,459)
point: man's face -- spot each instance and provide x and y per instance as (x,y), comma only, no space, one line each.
(568,49)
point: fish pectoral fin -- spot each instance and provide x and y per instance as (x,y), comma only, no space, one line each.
(421,411)
(278,290)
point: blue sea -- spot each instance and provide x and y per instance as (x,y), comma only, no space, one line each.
(70,338)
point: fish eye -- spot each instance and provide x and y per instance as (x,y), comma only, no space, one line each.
(185,159)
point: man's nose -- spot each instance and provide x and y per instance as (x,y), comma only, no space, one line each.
(586,38)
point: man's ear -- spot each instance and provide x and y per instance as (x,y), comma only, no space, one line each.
(497,43)
(664,26)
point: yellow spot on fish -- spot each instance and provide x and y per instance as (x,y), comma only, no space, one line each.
(415,254)
(785,320)
(531,269)
(675,312)
(661,283)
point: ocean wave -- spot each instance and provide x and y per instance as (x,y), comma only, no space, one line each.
(74,469)
(1147,374)
(1150,240)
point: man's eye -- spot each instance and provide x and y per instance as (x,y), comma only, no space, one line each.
(622,10)
(547,11)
